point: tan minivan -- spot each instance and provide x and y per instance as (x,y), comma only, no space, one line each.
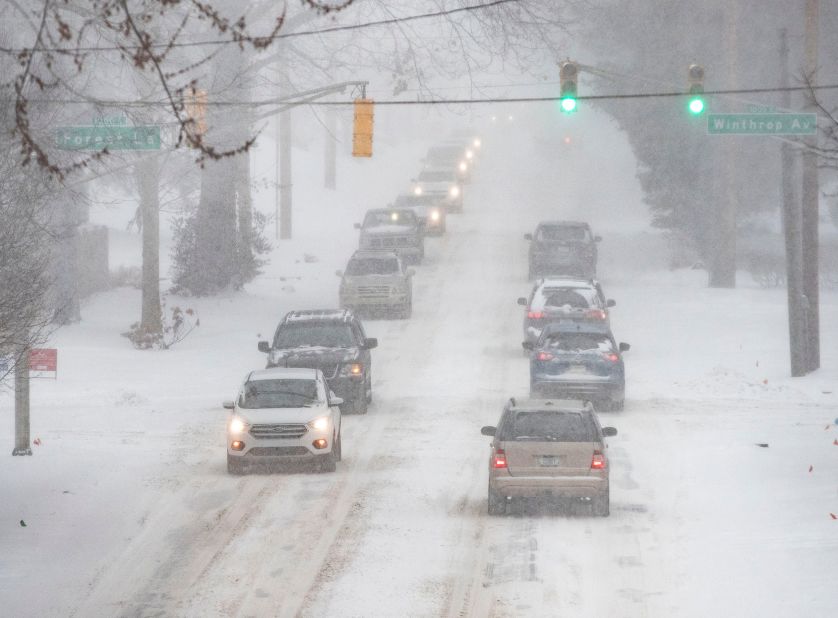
(545,448)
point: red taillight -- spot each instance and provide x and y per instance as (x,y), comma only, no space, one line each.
(611,357)
(535,315)
(598,461)
(499,459)
(596,314)
(544,356)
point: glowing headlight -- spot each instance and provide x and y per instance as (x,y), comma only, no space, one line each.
(463,166)
(469,154)
(352,369)
(417,190)
(454,191)
(320,424)
(237,425)
(394,216)
(435,214)
(477,142)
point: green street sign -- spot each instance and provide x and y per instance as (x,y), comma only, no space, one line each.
(762,124)
(111,137)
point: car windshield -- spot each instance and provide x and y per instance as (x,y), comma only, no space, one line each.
(551,426)
(562,233)
(372,266)
(436,176)
(389,217)
(577,342)
(314,334)
(285,393)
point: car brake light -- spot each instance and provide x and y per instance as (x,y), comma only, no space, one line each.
(535,315)
(611,357)
(499,459)
(598,461)
(596,314)
(545,356)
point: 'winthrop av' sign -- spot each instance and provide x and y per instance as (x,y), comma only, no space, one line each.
(762,124)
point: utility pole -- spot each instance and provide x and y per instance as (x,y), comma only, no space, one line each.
(811,197)
(22,446)
(798,336)
(330,162)
(147,171)
(723,270)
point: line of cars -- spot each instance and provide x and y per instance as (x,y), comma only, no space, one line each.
(319,362)
(552,445)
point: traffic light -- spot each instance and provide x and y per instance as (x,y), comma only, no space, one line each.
(195,106)
(568,73)
(362,128)
(695,76)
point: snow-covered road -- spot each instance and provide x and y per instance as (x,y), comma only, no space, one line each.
(130,512)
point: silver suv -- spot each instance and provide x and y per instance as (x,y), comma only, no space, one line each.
(546,448)
(284,415)
(377,281)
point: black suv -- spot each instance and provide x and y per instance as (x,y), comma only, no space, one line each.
(330,340)
(565,248)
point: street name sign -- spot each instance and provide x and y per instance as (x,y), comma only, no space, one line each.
(112,137)
(762,124)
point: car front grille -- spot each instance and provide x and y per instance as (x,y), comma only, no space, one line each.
(278,451)
(389,242)
(374,291)
(280,430)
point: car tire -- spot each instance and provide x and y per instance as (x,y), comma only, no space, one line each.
(495,504)
(361,404)
(602,505)
(234,466)
(406,311)
(329,463)
(337,450)
(619,405)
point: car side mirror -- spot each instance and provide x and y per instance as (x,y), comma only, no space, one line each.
(229,405)
(370,343)
(264,346)
(527,236)
(610,303)
(335,401)
(410,272)
(624,347)
(597,238)
(528,345)
(488,430)
(522,301)
(609,432)
(339,273)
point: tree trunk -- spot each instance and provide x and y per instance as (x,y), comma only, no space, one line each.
(244,211)
(147,173)
(22,446)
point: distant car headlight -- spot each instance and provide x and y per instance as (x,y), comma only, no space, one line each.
(435,214)
(417,190)
(477,142)
(469,154)
(237,425)
(320,424)
(463,166)
(454,191)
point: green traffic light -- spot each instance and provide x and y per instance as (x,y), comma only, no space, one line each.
(696,106)
(568,104)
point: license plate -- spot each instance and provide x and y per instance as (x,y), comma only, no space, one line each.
(548,460)
(577,369)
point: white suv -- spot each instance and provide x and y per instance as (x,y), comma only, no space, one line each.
(284,415)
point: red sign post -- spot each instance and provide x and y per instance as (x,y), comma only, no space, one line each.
(43,359)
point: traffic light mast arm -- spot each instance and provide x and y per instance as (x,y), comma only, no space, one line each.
(307,96)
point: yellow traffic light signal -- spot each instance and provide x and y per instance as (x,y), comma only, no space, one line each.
(362,128)
(195,106)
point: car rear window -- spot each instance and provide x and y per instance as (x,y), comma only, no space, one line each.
(577,342)
(285,393)
(576,298)
(562,233)
(372,266)
(551,426)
